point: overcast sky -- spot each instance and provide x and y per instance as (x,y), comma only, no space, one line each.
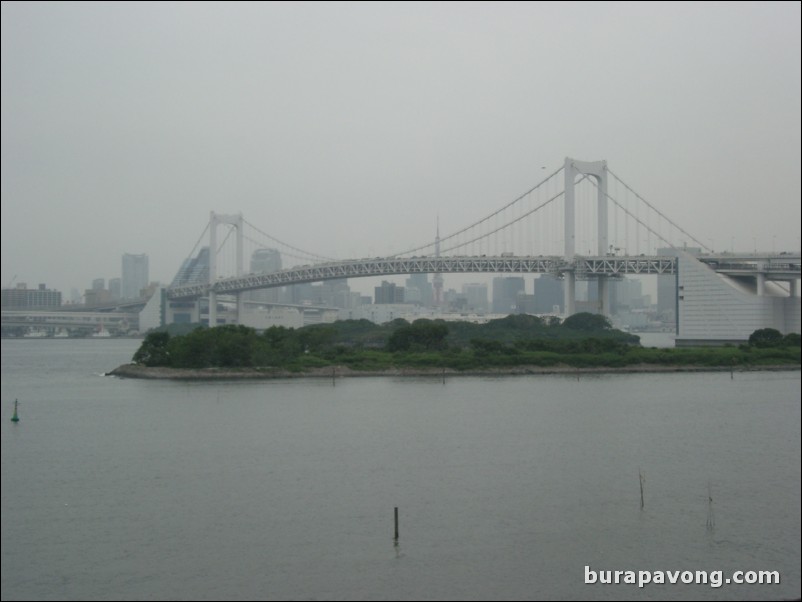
(346,129)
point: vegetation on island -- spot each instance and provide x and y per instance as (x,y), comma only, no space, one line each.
(582,340)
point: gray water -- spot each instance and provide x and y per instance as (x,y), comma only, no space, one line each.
(506,487)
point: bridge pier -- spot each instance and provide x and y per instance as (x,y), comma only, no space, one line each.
(569,280)
(569,288)
(761,283)
(604,296)
(240,307)
(212,309)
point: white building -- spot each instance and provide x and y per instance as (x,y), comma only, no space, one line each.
(379,313)
(263,317)
(716,309)
(152,315)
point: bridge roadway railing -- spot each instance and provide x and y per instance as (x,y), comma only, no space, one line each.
(779,270)
(360,268)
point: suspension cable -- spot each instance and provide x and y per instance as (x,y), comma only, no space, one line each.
(484,219)
(508,224)
(282,252)
(637,219)
(200,238)
(660,213)
(304,254)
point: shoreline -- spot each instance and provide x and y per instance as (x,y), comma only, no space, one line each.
(160,373)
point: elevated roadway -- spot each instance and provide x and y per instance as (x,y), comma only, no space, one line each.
(780,267)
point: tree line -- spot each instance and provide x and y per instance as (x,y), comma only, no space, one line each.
(581,340)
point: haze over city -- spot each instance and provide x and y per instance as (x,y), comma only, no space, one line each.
(347,129)
(586,387)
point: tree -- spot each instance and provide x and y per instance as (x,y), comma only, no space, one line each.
(766,337)
(153,351)
(420,335)
(587,322)
(317,337)
(233,345)
(792,339)
(484,347)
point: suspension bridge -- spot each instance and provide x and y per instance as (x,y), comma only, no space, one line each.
(581,222)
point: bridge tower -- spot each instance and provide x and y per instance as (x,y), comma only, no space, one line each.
(437,280)
(598,170)
(216,219)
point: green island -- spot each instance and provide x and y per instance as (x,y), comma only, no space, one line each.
(514,344)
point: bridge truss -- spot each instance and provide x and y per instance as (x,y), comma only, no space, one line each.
(360,268)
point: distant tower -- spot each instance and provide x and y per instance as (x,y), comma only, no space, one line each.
(134,275)
(437,281)
(265,260)
(597,170)
(236,221)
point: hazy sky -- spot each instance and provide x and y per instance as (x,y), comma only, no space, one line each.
(346,129)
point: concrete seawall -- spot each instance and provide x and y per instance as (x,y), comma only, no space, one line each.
(137,371)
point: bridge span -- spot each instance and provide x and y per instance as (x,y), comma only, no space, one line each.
(769,267)
(388,266)
(568,225)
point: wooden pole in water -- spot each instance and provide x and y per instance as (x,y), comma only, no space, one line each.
(396,524)
(640,478)
(15,417)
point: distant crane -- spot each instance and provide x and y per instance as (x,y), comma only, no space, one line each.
(12,281)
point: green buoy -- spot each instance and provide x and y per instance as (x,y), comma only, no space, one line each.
(15,417)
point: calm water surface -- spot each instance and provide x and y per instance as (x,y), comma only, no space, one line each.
(506,487)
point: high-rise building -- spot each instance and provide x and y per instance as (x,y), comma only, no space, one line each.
(524,304)
(266,261)
(549,292)
(330,293)
(389,292)
(626,293)
(96,296)
(135,275)
(99,284)
(23,297)
(115,288)
(475,296)
(421,282)
(505,293)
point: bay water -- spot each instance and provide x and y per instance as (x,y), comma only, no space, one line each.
(507,487)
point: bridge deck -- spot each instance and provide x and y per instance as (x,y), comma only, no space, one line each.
(360,268)
(778,267)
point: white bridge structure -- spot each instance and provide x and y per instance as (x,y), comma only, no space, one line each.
(720,297)
(580,223)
